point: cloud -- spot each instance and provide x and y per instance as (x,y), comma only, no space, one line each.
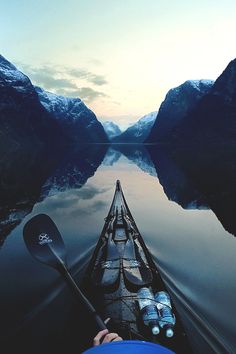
(90,191)
(84,201)
(87,75)
(96,62)
(61,80)
(90,209)
(49,82)
(88,94)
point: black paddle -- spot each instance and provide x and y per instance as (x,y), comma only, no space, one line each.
(45,243)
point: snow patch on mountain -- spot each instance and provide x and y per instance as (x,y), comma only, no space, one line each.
(144,123)
(198,84)
(11,76)
(78,122)
(176,105)
(112,130)
(62,107)
(139,131)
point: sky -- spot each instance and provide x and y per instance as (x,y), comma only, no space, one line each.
(120,56)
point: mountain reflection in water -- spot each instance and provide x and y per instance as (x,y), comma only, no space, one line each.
(185,238)
(45,176)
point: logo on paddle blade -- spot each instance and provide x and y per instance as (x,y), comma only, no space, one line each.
(44,239)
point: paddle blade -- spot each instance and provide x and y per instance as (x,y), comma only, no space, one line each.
(44,241)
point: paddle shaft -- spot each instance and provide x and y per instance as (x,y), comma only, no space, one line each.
(78,293)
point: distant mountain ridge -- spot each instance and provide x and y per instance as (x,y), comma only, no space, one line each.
(178,102)
(138,132)
(112,130)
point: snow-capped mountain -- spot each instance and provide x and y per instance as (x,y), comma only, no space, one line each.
(10,76)
(112,130)
(79,123)
(138,132)
(24,123)
(178,102)
(199,112)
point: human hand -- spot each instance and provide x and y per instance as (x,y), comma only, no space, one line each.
(105,337)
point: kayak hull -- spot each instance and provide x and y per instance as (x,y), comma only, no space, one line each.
(122,264)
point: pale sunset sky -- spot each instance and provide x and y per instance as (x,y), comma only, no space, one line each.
(119,56)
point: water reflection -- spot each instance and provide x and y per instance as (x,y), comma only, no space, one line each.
(39,178)
(191,182)
(158,162)
(195,179)
(201,176)
(22,176)
(76,192)
(177,186)
(138,154)
(74,169)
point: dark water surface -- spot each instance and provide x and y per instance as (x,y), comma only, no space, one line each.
(196,255)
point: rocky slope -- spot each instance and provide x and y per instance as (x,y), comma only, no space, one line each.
(214,118)
(178,102)
(23,120)
(138,132)
(78,122)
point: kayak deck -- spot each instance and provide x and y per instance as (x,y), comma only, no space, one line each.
(121,264)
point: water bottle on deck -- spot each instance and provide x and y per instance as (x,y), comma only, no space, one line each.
(148,309)
(167,318)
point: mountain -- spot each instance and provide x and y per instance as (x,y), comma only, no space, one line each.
(24,123)
(27,131)
(138,132)
(214,118)
(178,102)
(78,122)
(112,130)
(204,146)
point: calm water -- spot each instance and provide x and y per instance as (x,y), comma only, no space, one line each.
(194,252)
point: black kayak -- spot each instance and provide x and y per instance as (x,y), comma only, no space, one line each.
(121,265)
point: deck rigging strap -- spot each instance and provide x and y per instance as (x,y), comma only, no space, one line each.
(140,274)
(111,273)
